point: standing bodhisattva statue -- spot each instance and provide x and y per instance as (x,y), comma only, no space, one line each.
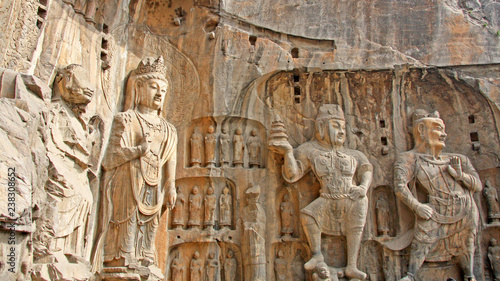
(344,175)
(447,216)
(139,169)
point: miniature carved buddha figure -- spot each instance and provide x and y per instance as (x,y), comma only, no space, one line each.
(69,199)
(196,147)
(177,269)
(238,148)
(287,216)
(298,273)
(178,210)
(280,266)
(254,148)
(225,203)
(210,143)
(344,175)
(210,203)
(139,166)
(494,258)
(225,144)
(450,217)
(230,265)
(382,211)
(212,267)
(196,267)
(195,204)
(491,196)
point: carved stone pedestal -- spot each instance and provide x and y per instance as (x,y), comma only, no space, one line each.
(61,267)
(119,273)
(151,273)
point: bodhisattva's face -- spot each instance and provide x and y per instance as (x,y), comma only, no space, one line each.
(211,130)
(434,132)
(335,129)
(152,93)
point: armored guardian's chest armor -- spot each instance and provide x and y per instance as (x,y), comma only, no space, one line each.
(335,171)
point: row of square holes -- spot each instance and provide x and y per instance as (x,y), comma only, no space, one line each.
(104,48)
(41,13)
(474,136)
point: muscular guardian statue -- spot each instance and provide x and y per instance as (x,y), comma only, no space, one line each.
(139,169)
(344,175)
(438,188)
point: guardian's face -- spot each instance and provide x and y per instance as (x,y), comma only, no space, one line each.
(335,129)
(77,88)
(152,93)
(323,272)
(434,132)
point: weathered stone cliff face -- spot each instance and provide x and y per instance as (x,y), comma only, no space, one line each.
(249,70)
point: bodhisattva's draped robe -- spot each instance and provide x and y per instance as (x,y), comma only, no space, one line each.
(134,190)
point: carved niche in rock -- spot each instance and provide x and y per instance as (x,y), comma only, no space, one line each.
(451,216)
(383,216)
(491,196)
(287,216)
(342,206)
(69,198)
(139,179)
(211,208)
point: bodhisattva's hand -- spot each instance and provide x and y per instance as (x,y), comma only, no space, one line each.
(455,168)
(170,198)
(145,145)
(280,146)
(357,192)
(424,211)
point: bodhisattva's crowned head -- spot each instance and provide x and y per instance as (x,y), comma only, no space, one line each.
(73,86)
(330,125)
(428,132)
(148,85)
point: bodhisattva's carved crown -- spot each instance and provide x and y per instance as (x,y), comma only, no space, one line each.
(420,114)
(149,64)
(330,111)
